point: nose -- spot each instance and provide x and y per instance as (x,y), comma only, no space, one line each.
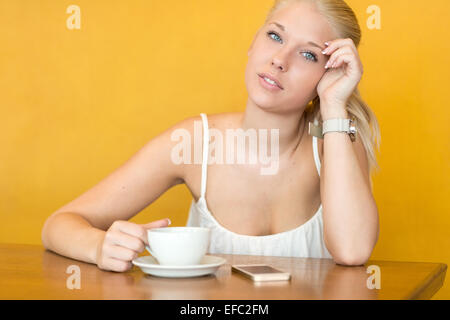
(279,62)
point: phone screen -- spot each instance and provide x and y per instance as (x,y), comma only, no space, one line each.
(260,269)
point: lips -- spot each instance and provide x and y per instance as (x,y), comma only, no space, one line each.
(262,75)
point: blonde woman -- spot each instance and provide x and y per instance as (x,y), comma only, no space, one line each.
(303,67)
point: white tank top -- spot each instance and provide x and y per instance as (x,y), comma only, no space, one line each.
(303,241)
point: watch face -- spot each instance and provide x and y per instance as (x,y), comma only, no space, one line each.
(352,130)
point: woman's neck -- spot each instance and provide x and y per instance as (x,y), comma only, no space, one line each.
(291,126)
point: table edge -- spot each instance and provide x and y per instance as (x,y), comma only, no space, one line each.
(429,286)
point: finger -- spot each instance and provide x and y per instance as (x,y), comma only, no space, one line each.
(121,253)
(339,43)
(132,229)
(118,265)
(127,241)
(353,69)
(157,224)
(338,62)
(338,52)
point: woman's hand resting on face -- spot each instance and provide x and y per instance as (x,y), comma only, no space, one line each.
(123,242)
(344,72)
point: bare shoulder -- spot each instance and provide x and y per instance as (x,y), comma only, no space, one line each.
(224,119)
(192,128)
(193,125)
(214,120)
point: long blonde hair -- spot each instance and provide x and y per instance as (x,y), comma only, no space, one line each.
(345,24)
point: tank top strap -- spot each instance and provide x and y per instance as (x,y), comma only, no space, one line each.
(205,155)
(316,154)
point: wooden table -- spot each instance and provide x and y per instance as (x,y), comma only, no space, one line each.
(31,272)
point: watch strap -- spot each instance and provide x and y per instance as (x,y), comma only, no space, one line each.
(330,125)
(340,125)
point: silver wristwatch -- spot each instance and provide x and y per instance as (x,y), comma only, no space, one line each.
(334,125)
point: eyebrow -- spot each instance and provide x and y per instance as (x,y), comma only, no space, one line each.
(309,42)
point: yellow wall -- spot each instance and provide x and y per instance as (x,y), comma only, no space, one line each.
(76,104)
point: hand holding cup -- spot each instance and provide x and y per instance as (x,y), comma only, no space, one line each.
(123,242)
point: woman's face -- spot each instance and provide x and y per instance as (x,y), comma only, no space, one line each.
(289,57)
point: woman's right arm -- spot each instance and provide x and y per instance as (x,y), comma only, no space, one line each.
(94,227)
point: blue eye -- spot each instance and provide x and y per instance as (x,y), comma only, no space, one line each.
(274,36)
(273,33)
(314,58)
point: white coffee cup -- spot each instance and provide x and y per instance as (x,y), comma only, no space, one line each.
(178,246)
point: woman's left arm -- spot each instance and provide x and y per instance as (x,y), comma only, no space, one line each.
(350,214)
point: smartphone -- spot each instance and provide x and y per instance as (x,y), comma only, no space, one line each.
(261,272)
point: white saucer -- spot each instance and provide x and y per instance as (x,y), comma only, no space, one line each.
(150,265)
